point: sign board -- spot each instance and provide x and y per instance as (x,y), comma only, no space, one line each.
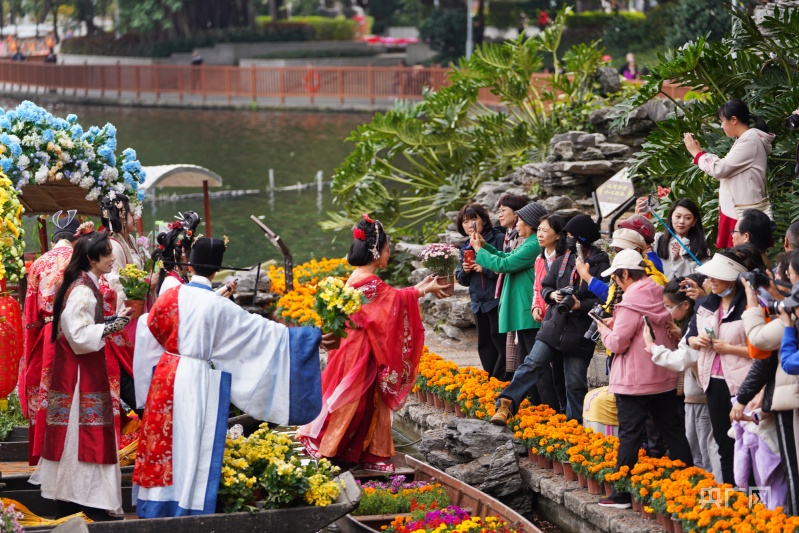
(615,192)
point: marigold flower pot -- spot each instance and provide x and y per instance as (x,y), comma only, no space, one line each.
(637,506)
(568,472)
(437,402)
(582,479)
(544,463)
(459,412)
(594,487)
(557,466)
(608,488)
(677,526)
(666,522)
(649,516)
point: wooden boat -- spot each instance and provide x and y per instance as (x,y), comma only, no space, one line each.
(460,494)
(291,520)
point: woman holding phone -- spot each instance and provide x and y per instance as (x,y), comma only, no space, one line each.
(473,219)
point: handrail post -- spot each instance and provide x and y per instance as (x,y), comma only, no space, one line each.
(227,83)
(102,81)
(207,206)
(282,85)
(202,81)
(371,84)
(156,82)
(119,81)
(180,84)
(309,67)
(341,86)
(86,77)
(253,85)
(138,82)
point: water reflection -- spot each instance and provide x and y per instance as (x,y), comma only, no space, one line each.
(241,146)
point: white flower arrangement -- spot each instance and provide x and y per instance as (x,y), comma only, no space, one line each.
(441,258)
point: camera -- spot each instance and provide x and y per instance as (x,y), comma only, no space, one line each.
(774,306)
(593,334)
(565,305)
(756,278)
(792,122)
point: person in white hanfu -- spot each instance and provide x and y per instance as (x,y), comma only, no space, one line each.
(195,354)
(79,466)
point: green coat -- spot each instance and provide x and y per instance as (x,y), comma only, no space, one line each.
(517,288)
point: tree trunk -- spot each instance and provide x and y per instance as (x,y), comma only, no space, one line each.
(479,25)
(56,38)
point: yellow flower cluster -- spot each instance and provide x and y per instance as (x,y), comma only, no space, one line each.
(132,272)
(264,466)
(666,486)
(12,247)
(335,304)
(309,273)
(297,307)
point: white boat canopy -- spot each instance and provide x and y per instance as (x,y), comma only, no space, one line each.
(182,176)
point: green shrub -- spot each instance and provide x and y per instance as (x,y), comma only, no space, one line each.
(693,18)
(445,32)
(325,28)
(624,34)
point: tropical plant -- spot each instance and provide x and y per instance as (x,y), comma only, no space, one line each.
(756,63)
(441,149)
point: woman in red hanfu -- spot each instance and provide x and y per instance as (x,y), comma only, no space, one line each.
(372,372)
(79,466)
(44,279)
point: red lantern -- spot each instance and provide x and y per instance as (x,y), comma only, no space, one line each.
(10,343)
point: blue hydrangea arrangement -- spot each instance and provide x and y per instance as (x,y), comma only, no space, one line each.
(37,147)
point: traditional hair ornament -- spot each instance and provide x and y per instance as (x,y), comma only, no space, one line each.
(359,234)
(225,240)
(85,229)
(62,223)
(177,224)
(366,218)
(373,249)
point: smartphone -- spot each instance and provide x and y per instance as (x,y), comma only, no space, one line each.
(579,248)
(474,227)
(648,325)
(468,256)
(592,315)
(710,333)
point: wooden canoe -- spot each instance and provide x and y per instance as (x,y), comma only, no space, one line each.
(460,494)
(291,520)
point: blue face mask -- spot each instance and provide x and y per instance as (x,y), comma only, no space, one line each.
(726,292)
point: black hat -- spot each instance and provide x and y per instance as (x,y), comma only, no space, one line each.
(207,253)
(531,214)
(66,227)
(583,228)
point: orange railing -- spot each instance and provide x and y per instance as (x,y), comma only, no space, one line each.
(364,85)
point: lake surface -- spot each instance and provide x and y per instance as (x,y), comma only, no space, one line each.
(240,146)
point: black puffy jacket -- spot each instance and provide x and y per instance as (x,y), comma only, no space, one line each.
(565,332)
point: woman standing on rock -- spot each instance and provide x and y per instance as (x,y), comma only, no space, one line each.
(482,283)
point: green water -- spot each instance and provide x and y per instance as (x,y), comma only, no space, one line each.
(240,146)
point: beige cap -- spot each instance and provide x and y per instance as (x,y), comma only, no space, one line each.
(629,259)
(725,266)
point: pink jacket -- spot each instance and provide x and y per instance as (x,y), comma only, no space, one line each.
(632,371)
(742,172)
(540,273)
(733,367)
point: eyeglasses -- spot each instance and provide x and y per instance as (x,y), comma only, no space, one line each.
(672,308)
(733,232)
(503,210)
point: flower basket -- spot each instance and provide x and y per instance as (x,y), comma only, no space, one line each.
(568,472)
(557,467)
(442,259)
(582,479)
(608,488)
(544,462)
(137,306)
(594,487)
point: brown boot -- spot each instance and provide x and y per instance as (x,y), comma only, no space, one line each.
(503,413)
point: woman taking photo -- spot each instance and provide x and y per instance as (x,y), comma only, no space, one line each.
(742,172)
(685,221)
(79,465)
(374,369)
(717,333)
(482,285)
(506,211)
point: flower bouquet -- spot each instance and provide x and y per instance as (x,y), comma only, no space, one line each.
(263,470)
(335,303)
(10,518)
(446,520)
(136,286)
(441,259)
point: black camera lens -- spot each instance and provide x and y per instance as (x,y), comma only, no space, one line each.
(792,122)
(566,304)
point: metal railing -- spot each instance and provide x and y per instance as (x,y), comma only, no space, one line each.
(329,85)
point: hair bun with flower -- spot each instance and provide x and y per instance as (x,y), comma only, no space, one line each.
(368,219)
(85,229)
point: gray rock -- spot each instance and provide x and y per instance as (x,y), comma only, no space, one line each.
(470,438)
(611,150)
(656,110)
(472,473)
(609,80)
(504,477)
(451,332)
(585,168)
(73,525)
(553,203)
(591,153)
(408,247)
(453,237)
(586,140)
(562,151)
(489,192)
(452,216)
(442,459)
(568,213)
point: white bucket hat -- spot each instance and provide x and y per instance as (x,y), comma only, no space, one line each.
(724,266)
(626,239)
(626,259)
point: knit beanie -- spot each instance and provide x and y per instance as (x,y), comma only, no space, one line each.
(583,228)
(531,214)
(641,225)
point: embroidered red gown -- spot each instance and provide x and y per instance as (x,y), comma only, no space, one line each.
(35,368)
(369,376)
